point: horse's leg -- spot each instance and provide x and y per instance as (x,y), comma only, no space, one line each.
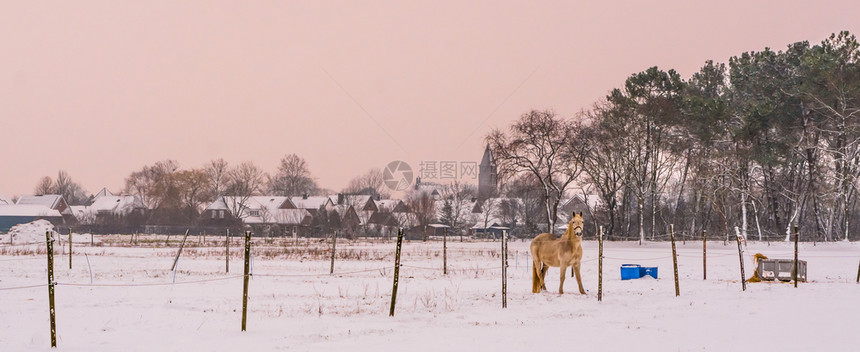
(536,278)
(563,269)
(544,268)
(575,268)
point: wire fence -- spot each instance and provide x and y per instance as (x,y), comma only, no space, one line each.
(422,254)
(149,284)
(22,287)
(23,244)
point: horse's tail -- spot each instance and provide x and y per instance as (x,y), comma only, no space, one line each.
(535,279)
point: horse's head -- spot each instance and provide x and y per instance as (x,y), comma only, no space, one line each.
(575,223)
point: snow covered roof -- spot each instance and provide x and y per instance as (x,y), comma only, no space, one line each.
(465,208)
(278,216)
(492,223)
(79,211)
(48,200)
(592,200)
(357,200)
(218,204)
(254,202)
(120,205)
(28,210)
(5,201)
(102,193)
(340,209)
(496,202)
(386,204)
(309,202)
(263,210)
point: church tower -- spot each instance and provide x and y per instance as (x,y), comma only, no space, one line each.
(488,175)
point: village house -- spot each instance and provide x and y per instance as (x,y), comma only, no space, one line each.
(13,214)
(311,204)
(51,201)
(127,210)
(344,218)
(108,209)
(268,214)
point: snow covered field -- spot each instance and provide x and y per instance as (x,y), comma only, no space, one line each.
(295,305)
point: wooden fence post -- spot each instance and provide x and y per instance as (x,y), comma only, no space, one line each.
(179,252)
(704,254)
(600,264)
(245,279)
(333,247)
(504,269)
(445,251)
(858,273)
(70,248)
(741,256)
(674,259)
(795,271)
(50,242)
(92,240)
(396,271)
(227,256)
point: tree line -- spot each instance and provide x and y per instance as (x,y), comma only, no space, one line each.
(176,195)
(765,143)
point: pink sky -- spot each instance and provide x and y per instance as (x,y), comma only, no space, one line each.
(100,88)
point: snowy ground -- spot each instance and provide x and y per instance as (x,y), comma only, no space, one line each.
(295,305)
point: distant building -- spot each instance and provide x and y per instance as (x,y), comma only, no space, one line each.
(580,204)
(51,201)
(311,204)
(110,209)
(102,193)
(488,175)
(274,214)
(11,215)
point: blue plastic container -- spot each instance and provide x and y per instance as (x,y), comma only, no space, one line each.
(650,271)
(630,271)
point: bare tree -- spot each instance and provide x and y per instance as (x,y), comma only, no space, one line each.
(293,178)
(509,210)
(546,146)
(422,206)
(71,191)
(192,186)
(216,170)
(153,184)
(527,191)
(489,209)
(605,163)
(45,186)
(243,182)
(650,102)
(457,197)
(370,182)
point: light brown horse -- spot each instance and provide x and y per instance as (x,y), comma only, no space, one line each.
(549,250)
